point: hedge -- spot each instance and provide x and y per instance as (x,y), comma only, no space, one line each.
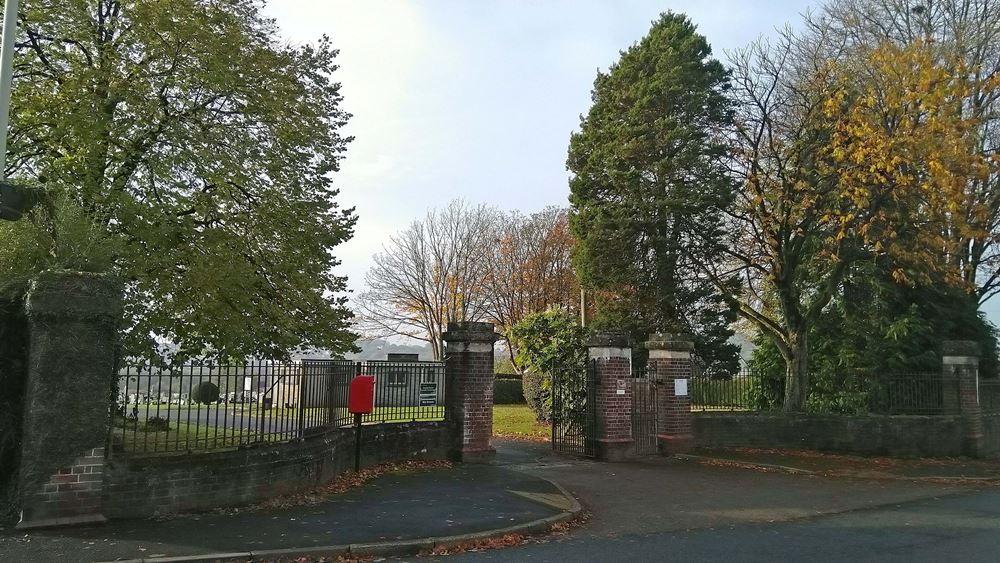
(507,391)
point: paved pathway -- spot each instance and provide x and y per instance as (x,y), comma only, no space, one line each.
(398,506)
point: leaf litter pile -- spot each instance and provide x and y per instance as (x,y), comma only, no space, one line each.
(510,540)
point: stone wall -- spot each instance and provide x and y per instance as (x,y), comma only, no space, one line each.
(149,486)
(72,319)
(13,370)
(901,436)
(990,446)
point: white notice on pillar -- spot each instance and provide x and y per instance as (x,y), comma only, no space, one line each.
(681,387)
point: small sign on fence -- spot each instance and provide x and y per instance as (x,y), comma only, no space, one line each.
(428,394)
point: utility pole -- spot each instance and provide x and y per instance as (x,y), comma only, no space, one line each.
(6,74)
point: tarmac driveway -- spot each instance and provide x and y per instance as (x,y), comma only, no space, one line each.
(663,510)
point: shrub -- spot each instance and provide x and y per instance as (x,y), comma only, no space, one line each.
(157,424)
(546,342)
(536,396)
(507,391)
(205,393)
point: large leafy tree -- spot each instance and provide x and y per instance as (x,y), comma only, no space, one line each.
(647,188)
(844,160)
(199,148)
(964,36)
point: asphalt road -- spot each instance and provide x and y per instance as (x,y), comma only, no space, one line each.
(964,527)
(674,511)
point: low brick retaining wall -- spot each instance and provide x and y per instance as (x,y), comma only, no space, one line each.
(991,435)
(139,487)
(900,436)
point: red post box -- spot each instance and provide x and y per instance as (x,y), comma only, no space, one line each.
(361,395)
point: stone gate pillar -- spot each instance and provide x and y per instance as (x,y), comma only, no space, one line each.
(960,360)
(611,354)
(469,389)
(670,368)
(72,323)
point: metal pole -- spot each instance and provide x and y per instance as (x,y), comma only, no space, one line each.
(357,442)
(6,73)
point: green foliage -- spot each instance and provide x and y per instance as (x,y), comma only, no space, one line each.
(206,393)
(156,424)
(721,392)
(57,235)
(199,146)
(536,395)
(547,342)
(504,365)
(767,390)
(508,391)
(648,187)
(874,326)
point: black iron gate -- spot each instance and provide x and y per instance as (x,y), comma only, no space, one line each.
(643,412)
(574,410)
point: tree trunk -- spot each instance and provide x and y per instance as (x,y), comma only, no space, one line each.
(796,372)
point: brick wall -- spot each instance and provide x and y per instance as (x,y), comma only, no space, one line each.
(674,431)
(73,491)
(72,325)
(614,410)
(990,446)
(149,486)
(902,436)
(474,397)
(469,389)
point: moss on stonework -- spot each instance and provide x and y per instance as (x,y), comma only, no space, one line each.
(13,368)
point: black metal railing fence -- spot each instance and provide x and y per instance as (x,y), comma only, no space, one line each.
(203,405)
(844,393)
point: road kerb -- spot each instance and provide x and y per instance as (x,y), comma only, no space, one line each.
(384,549)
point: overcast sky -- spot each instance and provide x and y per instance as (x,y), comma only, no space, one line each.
(477,98)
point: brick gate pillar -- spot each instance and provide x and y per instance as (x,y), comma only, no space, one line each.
(960,360)
(670,369)
(72,323)
(611,354)
(469,389)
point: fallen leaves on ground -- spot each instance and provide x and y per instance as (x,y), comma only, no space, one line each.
(508,540)
(347,481)
(947,469)
(341,484)
(521,437)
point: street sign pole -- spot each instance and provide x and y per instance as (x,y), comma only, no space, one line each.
(6,72)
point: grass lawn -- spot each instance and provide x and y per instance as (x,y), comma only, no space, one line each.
(517,421)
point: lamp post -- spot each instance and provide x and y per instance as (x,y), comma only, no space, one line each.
(6,72)
(14,199)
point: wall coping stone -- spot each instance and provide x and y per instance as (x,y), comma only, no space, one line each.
(67,294)
(609,339)
(471,332)
(960,348)
(666,341)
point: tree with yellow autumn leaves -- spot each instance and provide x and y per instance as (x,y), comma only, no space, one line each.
(841,159)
